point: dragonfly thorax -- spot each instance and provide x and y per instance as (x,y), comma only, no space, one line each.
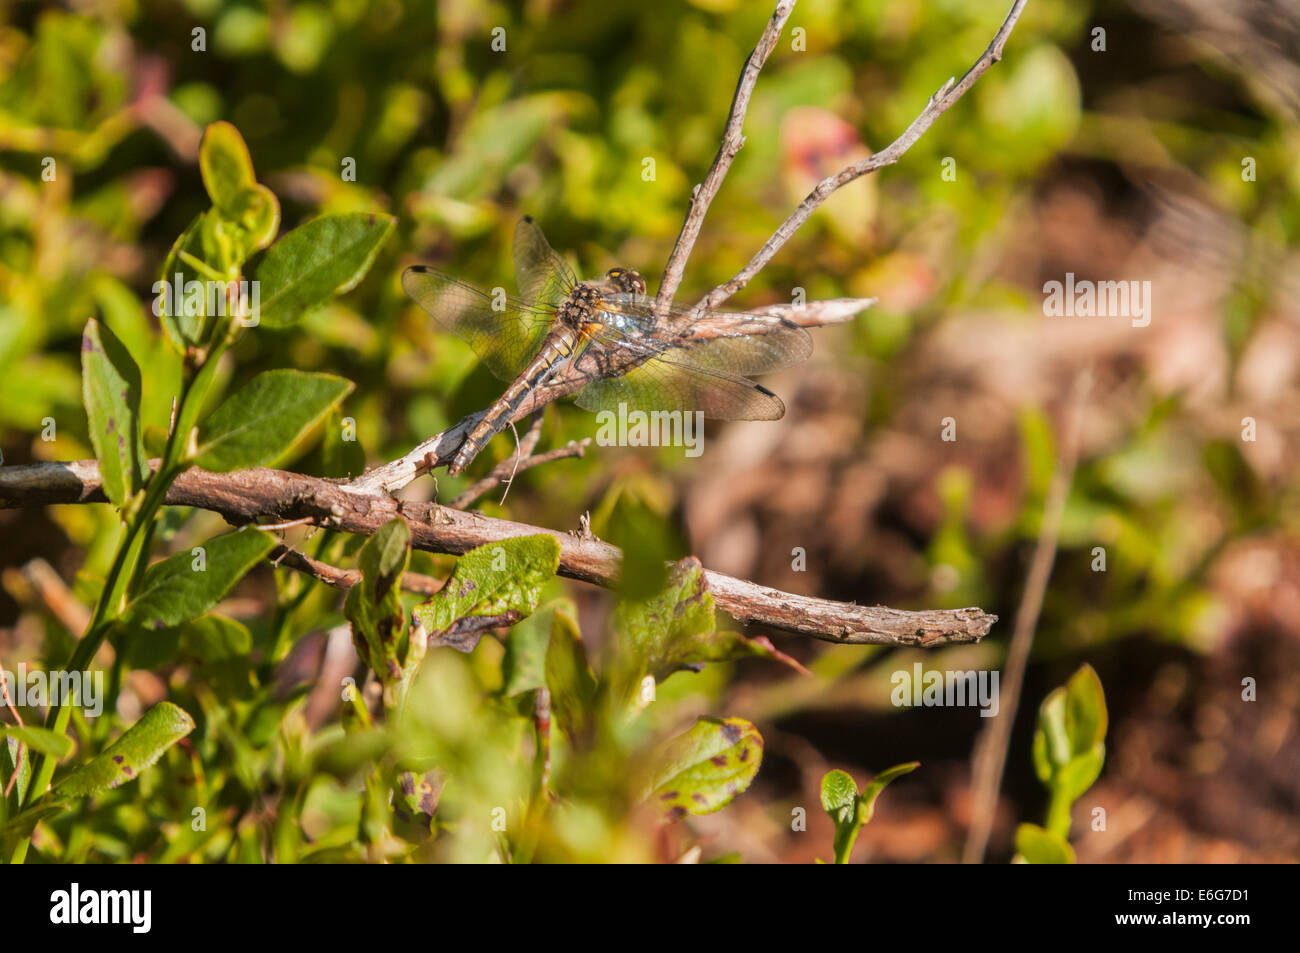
(579,308)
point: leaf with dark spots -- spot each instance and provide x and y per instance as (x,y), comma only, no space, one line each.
(702,770)
(139,747)
(499,583)
(415,802)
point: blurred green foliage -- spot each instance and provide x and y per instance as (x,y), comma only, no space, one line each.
(352,107)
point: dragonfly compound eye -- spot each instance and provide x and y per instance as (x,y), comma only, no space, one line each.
(628,281)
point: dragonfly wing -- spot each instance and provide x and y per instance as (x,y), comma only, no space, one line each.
(739,343)
(667,379)
(544,278)
(748,343)
(503,331)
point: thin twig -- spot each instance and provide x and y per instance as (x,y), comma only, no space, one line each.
(344,578)
(246,496)
(991,750)
(439,449)
(574,448)
(733,140)
(939,103)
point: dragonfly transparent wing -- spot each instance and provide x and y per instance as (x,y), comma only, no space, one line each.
(670,379)
(503,331)
(738,343)
(544,278)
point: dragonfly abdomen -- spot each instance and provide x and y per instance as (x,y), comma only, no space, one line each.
(555,351)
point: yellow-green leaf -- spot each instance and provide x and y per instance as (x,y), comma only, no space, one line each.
(111,389)
(122,761)
(702,770)
(263,422)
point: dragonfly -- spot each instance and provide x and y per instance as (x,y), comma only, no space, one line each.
(607,332)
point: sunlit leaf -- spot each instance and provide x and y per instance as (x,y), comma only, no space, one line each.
(39,739)
(316,261)
(263,421)
(186,585)
(1037,845)
(122,761)
(702,770)
(493,585)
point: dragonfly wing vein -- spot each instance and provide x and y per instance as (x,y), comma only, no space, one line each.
(503,331)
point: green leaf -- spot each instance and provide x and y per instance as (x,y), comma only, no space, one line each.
(523,668)
(1036,845)
(702,770)
(263,421)
(225,164)
(221,651)
(1085,710)
(1068,748)
(183,317)
(122,761)
(316,261)
(570,680)
(1079,773)
(21,824)
(374,605)
(675,629)
(9,763)
(190,583)
(840,797)
(849,810)
(867,802)
(1051,743)
(40,739)
(248,213)
(111,389)
(415,801)
(493,585)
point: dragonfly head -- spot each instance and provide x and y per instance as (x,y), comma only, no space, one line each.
(627,280)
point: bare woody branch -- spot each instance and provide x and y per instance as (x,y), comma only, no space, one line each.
(939,103)
(250,496)
(733,140)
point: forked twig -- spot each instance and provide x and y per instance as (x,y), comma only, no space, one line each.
(439,449)
(733,140)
